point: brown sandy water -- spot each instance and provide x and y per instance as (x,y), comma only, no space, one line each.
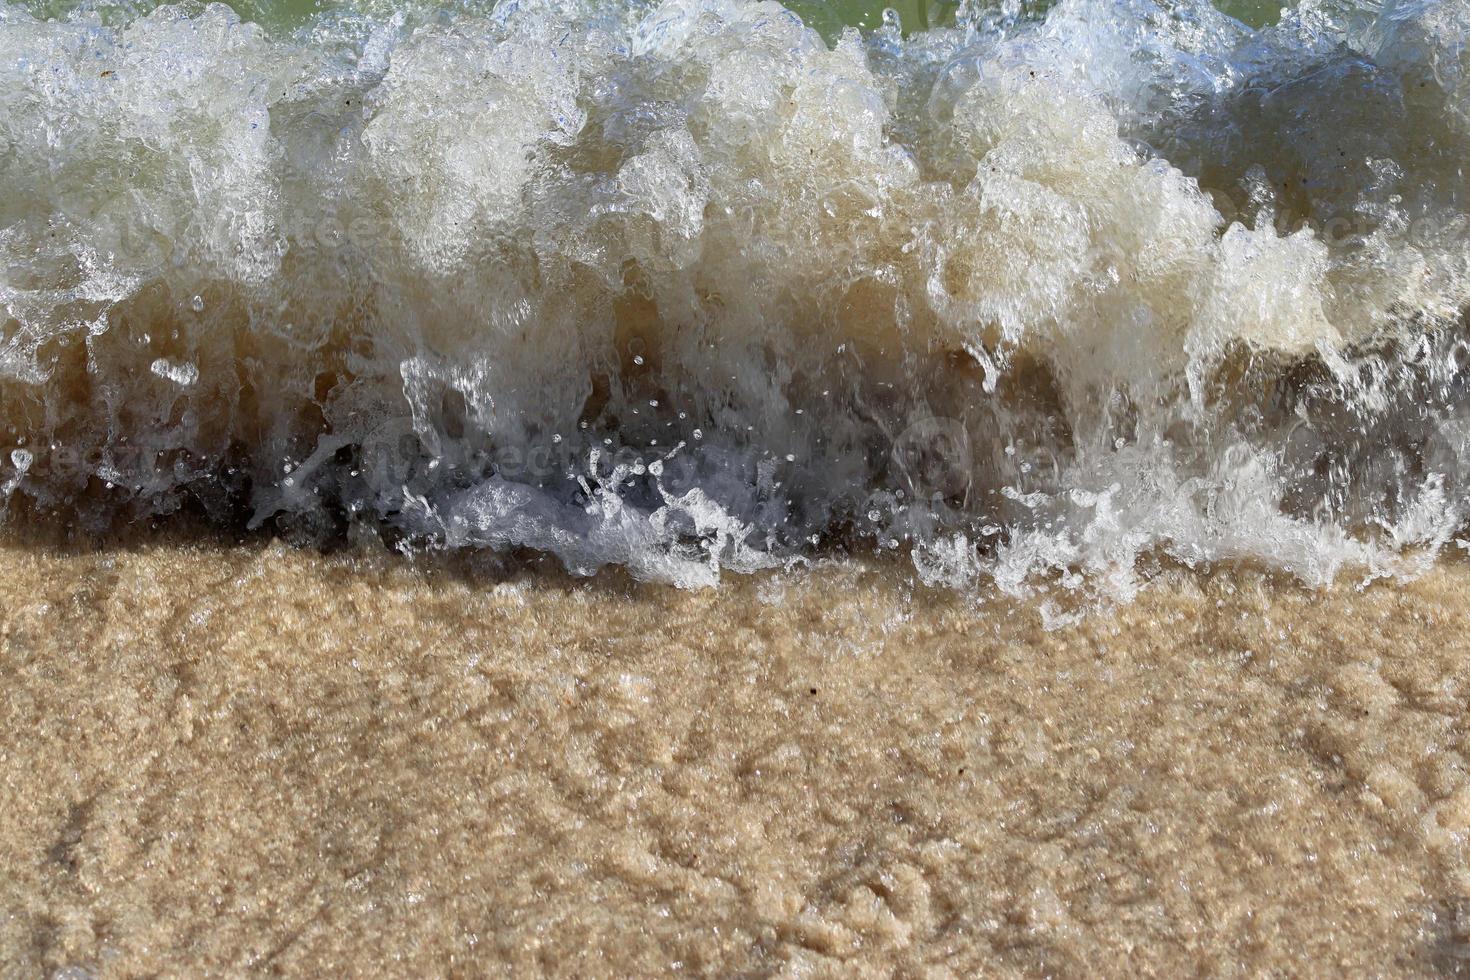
(218,758)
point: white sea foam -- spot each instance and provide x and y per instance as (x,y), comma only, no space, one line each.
(682,286)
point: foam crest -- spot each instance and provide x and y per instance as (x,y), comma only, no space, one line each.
(685,287)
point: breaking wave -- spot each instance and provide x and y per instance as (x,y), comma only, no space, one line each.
(686,286)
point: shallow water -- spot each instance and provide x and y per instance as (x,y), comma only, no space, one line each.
(1033,298)
(228,759)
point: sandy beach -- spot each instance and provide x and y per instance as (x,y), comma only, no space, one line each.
(225,757)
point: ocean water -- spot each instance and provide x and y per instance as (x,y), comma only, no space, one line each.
(1035,295)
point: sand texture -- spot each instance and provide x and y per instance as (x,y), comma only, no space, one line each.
(218,758)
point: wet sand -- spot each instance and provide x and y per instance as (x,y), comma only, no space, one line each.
(229,757)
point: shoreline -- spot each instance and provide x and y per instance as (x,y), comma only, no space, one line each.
(230,756)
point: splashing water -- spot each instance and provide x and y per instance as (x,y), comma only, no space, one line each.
(690,285)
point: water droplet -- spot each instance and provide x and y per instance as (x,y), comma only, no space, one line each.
(197,304)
